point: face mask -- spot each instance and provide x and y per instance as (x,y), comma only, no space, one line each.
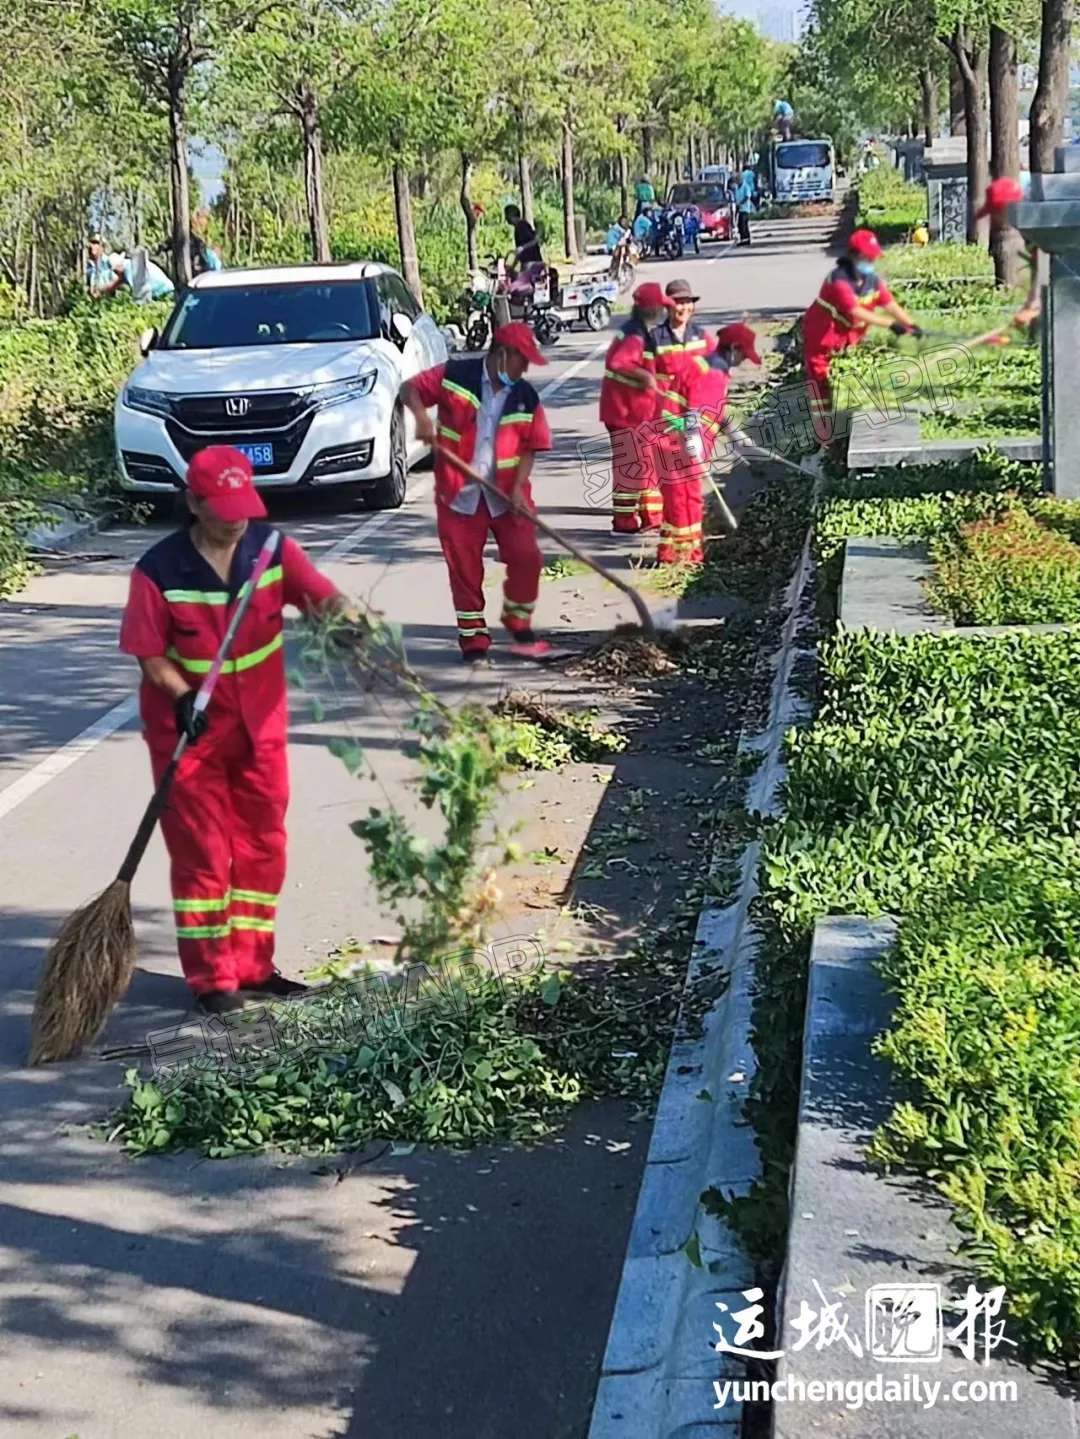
(504,379)
(864,267)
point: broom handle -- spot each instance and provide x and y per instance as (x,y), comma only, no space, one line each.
(647,624)
(160,797)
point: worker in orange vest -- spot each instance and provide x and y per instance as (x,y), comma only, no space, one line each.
(696,436)
(852,299)
(628,405)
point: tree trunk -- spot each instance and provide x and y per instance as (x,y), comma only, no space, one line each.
(410,265)
(314,198)
(646,149)
(928,84)
(692,155)
(957,123)
(624,185)
(971,60)
(569,228)
(1052,91)
(1005,242)
(467,210)
(178,178)
(525,185)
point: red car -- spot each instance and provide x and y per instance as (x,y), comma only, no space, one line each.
(712,203)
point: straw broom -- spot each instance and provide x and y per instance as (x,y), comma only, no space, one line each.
(89,966)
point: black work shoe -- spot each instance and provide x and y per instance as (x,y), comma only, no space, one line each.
(278,987)
(477,659)
(221,1001)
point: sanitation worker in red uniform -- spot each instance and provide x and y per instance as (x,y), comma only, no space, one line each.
(705,421)
(680,350)
(224,826)
(1000,194)
(490,416)
(851,300)
(628,405)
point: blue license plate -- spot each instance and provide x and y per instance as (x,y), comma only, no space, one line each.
(261,456)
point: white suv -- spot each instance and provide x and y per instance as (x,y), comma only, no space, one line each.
(300,367)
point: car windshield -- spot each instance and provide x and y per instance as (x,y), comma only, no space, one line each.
(311,312)
(808,152)
(696,195)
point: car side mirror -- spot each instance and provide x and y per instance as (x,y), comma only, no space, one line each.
(147,340)
(402,327)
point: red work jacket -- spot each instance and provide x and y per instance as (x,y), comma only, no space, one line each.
(676,360)
(456,388)
(625,402)
(179,608)
(828,325)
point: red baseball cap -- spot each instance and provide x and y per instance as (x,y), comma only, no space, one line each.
(865,244)
(742,336)
(999,195)
(517,336)
(650,297)
(221,476)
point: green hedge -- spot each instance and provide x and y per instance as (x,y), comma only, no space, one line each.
(58,382)
(939,771)
(889,204)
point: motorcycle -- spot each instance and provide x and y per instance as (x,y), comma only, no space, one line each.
(624,260)
(670,235)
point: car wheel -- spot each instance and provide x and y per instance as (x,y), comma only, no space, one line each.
(389,492)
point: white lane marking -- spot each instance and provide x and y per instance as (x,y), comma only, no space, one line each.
(723,253)
(68,754)
(63,758)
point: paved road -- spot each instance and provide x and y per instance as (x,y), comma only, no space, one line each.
(421,1295)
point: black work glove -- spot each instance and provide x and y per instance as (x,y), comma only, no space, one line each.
(187,721)
(917,332)
(899,328)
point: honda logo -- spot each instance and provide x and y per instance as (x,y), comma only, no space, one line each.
(237,408)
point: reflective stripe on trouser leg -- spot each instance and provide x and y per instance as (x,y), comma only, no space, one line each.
(259,793)
(819,394)
(462,538)
(680,538)
(196,827)
(629,474)
(520,553)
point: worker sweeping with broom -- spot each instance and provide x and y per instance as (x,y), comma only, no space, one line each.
(490,418)
(224,825)
(204,620)
(696,421)
(852,299)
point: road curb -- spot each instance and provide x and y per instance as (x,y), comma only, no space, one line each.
(659,1363)
(69,532)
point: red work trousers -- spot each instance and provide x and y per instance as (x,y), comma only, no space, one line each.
(224,829)
(680,535)
(819,392)
(635,492)
(463,538)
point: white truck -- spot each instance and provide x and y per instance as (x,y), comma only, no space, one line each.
(802,171)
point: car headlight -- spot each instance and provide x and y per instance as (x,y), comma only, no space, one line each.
(151,402)
(337,392)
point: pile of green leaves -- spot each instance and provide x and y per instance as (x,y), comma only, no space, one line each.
(889,205)
(535,736)
(1007,569)
(930,762)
